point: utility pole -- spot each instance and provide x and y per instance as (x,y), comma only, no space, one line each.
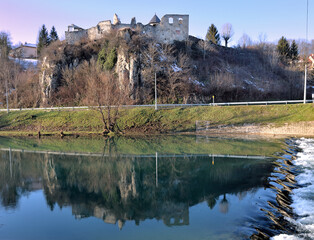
(204,49)
(305,71)
(305,79)
(7,94)
(10,157)
(156,91)
(156,169)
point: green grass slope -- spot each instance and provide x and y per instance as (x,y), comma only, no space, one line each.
(143,120)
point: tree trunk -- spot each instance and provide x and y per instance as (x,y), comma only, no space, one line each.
(103,117)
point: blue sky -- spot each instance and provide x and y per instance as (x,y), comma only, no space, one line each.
(275,18)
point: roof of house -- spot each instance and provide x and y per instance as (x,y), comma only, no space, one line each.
(75,26)
(30,45)
(155,19)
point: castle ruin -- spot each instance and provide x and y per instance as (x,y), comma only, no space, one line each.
(171,27)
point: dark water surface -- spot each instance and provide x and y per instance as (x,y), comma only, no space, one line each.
(176,187)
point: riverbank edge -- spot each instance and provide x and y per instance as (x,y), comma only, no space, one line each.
(298,129)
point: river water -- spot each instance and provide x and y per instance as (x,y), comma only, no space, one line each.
(303,195)
(174,187)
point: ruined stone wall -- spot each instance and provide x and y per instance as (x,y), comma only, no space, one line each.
(172,27)
(73,37)
(94,33)
(104,27)
(99,31)
(121,26)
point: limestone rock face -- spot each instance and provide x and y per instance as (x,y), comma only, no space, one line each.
(128,186)
(51,74)
(48,78)
(128,67)
(128,70)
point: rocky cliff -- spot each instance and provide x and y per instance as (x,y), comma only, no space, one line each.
(190,71)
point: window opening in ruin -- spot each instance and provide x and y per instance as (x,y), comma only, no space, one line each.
(180,21)
(170,20)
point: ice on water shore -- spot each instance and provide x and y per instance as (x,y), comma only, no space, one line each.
(303,197)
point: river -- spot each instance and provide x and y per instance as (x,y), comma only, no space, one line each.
(170,187)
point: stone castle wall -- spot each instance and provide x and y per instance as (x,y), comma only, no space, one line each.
(172,27)
(73,37)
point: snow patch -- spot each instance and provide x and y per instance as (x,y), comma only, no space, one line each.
(248,82)
(26,63)
(198,83)
(162,58)
(175,68)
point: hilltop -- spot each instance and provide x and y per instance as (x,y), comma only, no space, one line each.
(187,72)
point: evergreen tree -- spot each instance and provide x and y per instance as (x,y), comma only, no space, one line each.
(107,57)
(213,35)
(111,59)
(283,49)
(53,35)
(102,56)
(294,51)
(5,44)
(43,39)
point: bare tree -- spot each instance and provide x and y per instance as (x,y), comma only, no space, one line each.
(27,89)
(173,73)
(262,38)
(73,86)
(227,33)
(262,41)
(105,92)
(151,58)
(203,45)
(179,74)
(4,78)
(245,41)
(21,85)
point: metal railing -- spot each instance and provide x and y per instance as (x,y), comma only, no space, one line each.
(88,154)
(165,105)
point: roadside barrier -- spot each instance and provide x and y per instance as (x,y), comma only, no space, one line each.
(164,105)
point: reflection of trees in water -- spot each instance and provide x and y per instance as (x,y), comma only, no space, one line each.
(118,188)
(224,205)
(15,179)
(241,195)
(211,200)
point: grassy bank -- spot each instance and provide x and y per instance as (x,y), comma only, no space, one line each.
(146,145)
(147,120)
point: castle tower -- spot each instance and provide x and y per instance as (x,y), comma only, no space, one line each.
(155,20)
(116,19)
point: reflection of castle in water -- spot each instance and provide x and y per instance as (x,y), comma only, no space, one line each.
(172,214)
(120,189)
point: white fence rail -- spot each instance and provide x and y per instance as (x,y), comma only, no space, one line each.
(165,105)
(82,154)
